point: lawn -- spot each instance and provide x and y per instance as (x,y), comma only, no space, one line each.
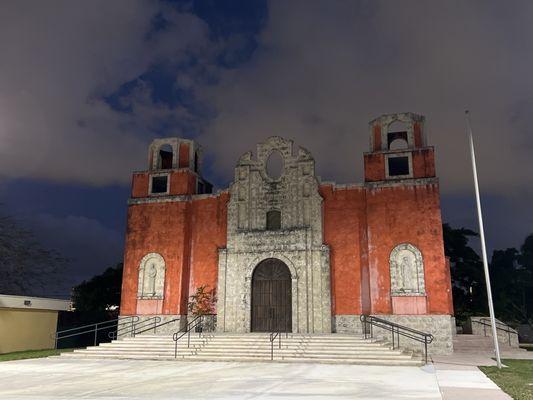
(516,380)
(527,346)
(22,355)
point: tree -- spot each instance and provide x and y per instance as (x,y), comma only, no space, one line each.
(468,281)
(99,298)
(525,259)
(25,266)
(202,301)
(511,273)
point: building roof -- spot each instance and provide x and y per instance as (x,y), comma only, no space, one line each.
(34,303)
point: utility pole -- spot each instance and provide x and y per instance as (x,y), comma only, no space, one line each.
(483,247)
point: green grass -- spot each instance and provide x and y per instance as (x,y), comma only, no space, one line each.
(516,380)
(527,346)
(22,355)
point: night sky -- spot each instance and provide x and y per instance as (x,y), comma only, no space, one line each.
(85,86)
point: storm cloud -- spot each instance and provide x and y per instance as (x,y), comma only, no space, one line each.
(75,106)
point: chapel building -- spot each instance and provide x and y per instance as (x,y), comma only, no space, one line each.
(288,252)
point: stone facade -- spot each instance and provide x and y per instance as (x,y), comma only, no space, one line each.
(440,326)
(373,248)
(298,242)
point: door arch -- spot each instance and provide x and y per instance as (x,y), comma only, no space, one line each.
(271,297)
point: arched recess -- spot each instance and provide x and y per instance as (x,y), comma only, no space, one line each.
(165,157)
(151,284)
(271,300)
(273,220)
(407,271)
(397,135)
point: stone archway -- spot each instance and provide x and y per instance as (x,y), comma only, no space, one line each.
(271,297)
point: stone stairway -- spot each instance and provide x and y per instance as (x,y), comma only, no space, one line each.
(466,343)
(332,348)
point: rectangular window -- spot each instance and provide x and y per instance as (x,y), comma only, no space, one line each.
(398,166)
(159,184)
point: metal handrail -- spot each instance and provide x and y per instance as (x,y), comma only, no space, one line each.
(144,323)
(197,321)
(273,336)
(394,328)
(508,329)
(90,328)
(132,329)
(156,325)
(126,328)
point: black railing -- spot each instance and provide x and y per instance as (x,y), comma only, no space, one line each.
(92,328)
(273,337)
(197,322)
(369,321)
(131,328)
(145,325)
(502,327)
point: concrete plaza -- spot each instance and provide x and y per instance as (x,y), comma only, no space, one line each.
(56,377)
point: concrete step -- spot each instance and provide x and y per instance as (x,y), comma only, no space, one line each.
(252,347)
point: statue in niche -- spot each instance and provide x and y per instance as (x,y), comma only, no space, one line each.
(405,265)
(407,270)
(152,273)
(151,276)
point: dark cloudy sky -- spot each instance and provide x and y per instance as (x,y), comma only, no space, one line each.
(85,86)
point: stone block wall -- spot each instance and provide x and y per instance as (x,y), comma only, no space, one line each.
(125,323)
(440,326)
(478,328)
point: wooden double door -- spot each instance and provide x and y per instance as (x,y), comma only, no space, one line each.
(271,297)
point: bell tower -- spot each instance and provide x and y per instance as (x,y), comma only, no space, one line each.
(398,149)
(174,169)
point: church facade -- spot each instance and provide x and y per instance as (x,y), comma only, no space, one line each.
(284,250)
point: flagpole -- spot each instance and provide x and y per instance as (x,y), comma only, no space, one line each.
(483,247)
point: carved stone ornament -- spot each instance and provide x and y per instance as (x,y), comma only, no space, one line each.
(151,277)
(407,271)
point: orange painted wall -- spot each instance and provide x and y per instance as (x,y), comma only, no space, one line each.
(182,182)
(184,155)
(423,163)
(411,214)
(139,185)
(187,234)
(160,228)
(376,131)
(361,227)
(344,221)
(374,167)
(209,233)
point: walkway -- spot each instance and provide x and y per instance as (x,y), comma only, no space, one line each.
(451,377)
(55,378)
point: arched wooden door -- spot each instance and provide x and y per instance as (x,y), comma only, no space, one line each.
(271,297)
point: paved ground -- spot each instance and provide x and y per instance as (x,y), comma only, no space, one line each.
(459,378)
(57,378)
(60,378)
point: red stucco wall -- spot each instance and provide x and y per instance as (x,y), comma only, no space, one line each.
(407,214)
(361,226)
(187,234)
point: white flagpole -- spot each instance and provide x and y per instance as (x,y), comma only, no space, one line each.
(483,247)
